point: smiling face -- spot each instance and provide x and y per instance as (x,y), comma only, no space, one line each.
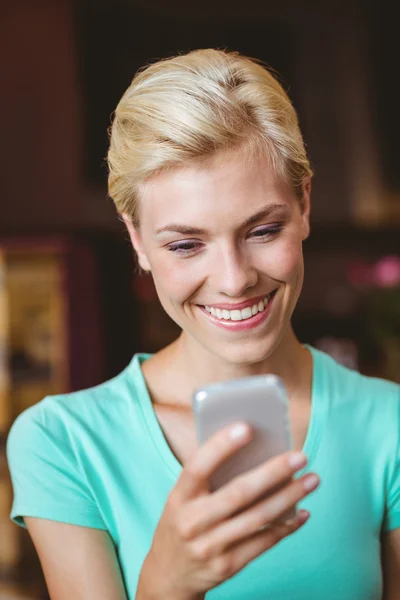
(223,240)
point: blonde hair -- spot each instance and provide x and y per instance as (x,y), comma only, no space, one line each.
(190,106)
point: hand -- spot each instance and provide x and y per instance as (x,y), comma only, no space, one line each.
(204,538)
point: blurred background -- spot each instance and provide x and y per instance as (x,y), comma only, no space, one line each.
(73,310)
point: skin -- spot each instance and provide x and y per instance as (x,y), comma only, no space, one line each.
(227,264)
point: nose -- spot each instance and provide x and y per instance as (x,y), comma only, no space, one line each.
(234,273)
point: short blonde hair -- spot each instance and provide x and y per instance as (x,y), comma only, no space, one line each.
(190,106)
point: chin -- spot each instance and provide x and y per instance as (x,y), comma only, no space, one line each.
(246,354)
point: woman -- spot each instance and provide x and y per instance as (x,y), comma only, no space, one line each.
(209,172)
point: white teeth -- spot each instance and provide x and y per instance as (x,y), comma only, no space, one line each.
(238,315)
(246,312)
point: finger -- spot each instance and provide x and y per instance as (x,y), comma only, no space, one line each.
(228,562)
(245,489)
(268,511)
(244,552)
(210,456)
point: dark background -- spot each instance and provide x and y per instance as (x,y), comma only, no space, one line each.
(64,65)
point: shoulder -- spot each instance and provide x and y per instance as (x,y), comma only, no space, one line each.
(352,384)
(362,417)
(371,404)
(84,412)
(59,450)
(375,401)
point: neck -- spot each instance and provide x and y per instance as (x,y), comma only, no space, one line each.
(194,366)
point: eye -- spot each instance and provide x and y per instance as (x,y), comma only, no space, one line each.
(184,248)
(266,232)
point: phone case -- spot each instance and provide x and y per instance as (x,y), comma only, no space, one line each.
(260,401)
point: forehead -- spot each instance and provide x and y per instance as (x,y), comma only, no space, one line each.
(227,187)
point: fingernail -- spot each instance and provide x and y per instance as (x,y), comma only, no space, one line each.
(240,430)
(304,516)
(311,482)
(297,459)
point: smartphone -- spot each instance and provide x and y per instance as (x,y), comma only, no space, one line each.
(262,402)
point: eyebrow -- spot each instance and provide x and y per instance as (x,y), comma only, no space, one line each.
(185,230)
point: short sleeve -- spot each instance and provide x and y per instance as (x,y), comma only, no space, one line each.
(392,516)
(46,475)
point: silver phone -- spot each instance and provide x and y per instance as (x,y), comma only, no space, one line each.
(261,401)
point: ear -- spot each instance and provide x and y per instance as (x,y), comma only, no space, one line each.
(305,208)
(137,243)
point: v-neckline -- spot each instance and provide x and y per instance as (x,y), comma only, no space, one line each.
(318,413)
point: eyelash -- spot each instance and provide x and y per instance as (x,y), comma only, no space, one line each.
(268,231)
(180,249)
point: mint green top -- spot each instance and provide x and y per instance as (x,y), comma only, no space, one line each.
(98,458)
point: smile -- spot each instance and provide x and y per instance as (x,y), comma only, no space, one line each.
(240,315)
(240,320)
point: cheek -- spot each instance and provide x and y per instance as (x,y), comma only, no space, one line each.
(175,281)
(284,261)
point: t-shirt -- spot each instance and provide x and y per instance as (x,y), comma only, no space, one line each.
(98,458)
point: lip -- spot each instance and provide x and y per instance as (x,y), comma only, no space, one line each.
(239,305)
(245,325)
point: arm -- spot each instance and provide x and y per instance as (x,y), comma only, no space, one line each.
(77,562)
(391,565)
